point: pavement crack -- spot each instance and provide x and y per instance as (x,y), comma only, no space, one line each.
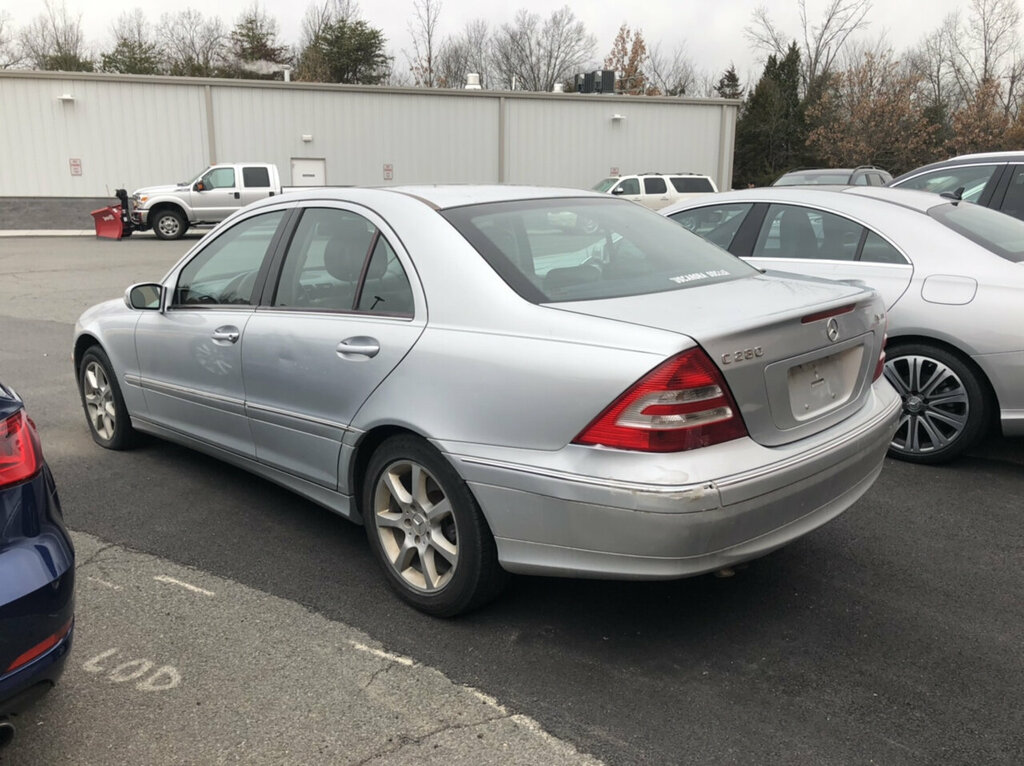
(80,565)
(384,668)
(405,741)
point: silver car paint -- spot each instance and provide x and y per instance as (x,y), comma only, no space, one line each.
(985,326)
(502,386)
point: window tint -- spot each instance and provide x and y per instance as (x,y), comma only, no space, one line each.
(224,272)
(715,223)
(324,266)
(611,250)
(861,179)
(628,186)
(877,250)
(256,178)
(1013,202)
(386,289)
(685,185)
(789,231)
(219,178)
(972,178)
(655,186)
(1002,234)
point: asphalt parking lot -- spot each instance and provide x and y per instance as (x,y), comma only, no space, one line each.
(221,619)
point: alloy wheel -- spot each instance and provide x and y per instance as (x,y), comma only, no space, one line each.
(416,527)
(99,400)
(936,405)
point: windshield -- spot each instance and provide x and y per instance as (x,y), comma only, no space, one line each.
(841,178)
(995,231)
(567,249)
(605,185)
(196,177)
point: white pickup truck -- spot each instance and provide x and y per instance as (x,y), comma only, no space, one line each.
(210,197)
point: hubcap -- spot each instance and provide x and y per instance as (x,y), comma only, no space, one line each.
(935,404)
(416,527)
(99,401)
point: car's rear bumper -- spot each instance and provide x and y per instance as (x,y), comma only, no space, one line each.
(549,522)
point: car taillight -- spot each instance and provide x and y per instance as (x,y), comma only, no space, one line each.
(684,403)
(20,454)
(880,366)
(41,648)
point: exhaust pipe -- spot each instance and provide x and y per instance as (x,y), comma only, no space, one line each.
(6,733)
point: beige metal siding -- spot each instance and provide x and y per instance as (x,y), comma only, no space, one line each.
(134,131)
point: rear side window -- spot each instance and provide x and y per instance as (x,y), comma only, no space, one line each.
(790,231)
(256,178)
(655,186)
(715,223)
(972,178)
(691,185)
(578,249)
(995,231)
(1013,202)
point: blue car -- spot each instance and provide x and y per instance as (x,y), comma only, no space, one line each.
(37,569)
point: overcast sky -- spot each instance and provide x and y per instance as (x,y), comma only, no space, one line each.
(710,31)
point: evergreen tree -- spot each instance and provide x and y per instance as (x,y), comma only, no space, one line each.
(771,133)
(346,51)
(729,84)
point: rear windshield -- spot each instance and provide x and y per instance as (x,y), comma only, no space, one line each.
(554,250)
(691,185)
(841,178)
(995,231)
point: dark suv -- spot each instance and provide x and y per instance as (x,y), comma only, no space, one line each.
(994,179)
(864,175)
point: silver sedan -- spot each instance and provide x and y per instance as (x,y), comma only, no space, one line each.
(489,390)
(952,277)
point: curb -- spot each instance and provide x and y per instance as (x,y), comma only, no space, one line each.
(47,233)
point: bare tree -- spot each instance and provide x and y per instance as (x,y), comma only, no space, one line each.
(54,40)
(930,61)
(10,51)
(531,54)
(468,52)
(986,49)
(135,49)
(194,46)
(670,74)
(423,30)
(822,43)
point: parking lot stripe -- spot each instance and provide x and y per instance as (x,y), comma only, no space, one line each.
(185,585)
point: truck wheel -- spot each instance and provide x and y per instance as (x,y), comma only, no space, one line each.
(169,224)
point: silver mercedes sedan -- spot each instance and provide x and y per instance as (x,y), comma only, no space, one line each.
(952,277)
(503,379)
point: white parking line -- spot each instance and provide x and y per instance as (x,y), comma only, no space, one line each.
(104,583)
(185,585)
(382,654)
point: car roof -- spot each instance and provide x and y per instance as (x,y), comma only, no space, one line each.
(443,196)
(835,196)
(962,159)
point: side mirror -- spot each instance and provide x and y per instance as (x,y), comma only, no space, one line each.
(618,190)
(200,186)
(144,297)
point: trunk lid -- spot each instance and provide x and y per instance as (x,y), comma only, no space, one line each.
(798,354)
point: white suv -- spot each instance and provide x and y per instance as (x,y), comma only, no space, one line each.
(656,190)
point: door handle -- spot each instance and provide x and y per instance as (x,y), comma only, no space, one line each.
(359,347)
(226,334)
(237,195)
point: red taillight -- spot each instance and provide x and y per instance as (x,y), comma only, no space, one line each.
(20,455)
(682,404)
(40,649)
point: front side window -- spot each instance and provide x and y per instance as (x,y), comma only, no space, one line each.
(655,186)
(224,272)
(339,261)
(971,178)
(577,249)
(790,231)
(715,223)
(628,186)
(220,178)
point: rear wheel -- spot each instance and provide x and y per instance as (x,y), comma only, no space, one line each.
(945,405)
(427,531)
(168,223)
(105,411)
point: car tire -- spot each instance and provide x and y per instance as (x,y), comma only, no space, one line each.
(427,531)
(168,223)
(105,411)
(945,403)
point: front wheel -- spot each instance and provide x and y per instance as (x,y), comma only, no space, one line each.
(169,224)
(105,411)
(945,405)
(427,531)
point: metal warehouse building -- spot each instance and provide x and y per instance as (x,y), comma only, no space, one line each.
(83,135)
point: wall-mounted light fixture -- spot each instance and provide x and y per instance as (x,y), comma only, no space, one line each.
(307,137)
(616,117)
(67,98)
